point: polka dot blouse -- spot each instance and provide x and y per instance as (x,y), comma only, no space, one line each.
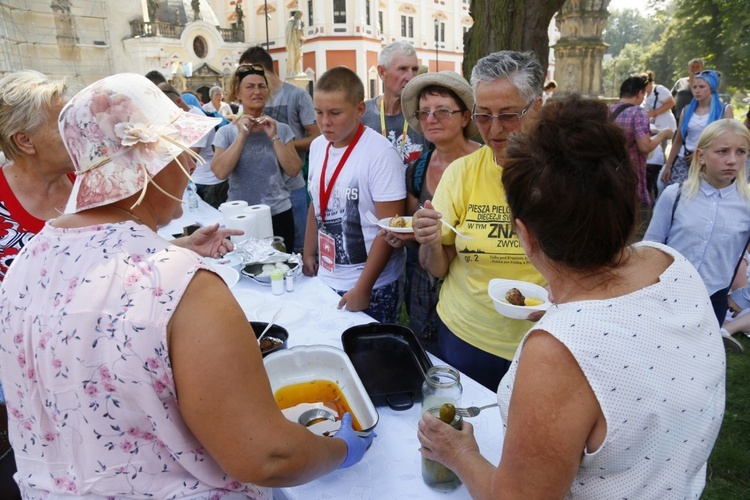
(655,361)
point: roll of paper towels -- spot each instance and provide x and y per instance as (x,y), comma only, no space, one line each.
(245,222)
(264,224)
(231,208)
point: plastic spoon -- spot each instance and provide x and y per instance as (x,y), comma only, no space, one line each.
(270,324)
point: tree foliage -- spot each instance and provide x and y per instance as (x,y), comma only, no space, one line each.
(624,26)
(509,25)
(679,30)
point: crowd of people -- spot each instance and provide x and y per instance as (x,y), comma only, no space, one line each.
(104,322)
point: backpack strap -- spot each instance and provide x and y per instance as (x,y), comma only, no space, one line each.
(656,97)
(420,171)
(674,209)
(619,110)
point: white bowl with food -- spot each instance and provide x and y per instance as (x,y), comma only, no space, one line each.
(262,272)
(508,295)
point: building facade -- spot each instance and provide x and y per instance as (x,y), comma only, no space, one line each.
(197,43)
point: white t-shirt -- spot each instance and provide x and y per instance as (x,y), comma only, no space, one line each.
(373,173)
(203,173)
(655,100)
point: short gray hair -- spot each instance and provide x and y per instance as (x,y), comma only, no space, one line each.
(214,90)
(697,60)
(521,68)
(400,47)
(26,98)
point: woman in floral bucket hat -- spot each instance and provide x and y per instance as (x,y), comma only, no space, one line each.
(104,324)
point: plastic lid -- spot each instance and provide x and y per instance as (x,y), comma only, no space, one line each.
(277,274)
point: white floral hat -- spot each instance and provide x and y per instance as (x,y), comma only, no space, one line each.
(120,132)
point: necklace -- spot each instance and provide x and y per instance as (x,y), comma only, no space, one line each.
(131,214)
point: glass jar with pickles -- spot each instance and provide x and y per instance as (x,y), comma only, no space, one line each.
(441,394)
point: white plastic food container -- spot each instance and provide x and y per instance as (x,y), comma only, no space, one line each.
(320,362)
(497,289)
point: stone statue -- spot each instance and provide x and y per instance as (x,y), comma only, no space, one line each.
(238,12)
(153,6)
(196,5)
(295,37)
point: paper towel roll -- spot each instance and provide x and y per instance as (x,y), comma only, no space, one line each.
(246,222)
(264,225)
(231,208)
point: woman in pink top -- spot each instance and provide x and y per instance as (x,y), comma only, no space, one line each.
(129,369)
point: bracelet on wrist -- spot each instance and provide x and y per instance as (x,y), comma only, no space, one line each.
(275,138)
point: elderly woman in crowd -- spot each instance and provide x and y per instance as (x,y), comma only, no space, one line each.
(472,336)
(608,396)
(438,106)
(104,324)
(254,151)
(217,104)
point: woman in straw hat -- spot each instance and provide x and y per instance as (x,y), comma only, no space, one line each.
(438,106)
(105,323)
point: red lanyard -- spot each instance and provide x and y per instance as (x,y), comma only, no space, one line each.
(325,194)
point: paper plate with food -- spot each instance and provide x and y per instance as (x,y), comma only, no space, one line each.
(397,224)
(517,299)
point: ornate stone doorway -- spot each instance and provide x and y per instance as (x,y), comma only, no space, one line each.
(204,77)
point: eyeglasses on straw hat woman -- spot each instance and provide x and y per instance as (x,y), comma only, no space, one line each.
(128,366)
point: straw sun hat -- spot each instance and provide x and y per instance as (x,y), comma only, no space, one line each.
(448,79)
(120,132)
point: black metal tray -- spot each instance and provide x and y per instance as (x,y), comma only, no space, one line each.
(389,360)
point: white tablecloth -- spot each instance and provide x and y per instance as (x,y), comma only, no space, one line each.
(391,468)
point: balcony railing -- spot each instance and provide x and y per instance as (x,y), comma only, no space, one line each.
(143,29)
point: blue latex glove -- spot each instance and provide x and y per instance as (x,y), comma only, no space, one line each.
(356,445)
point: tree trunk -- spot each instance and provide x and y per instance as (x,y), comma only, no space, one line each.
(509,25)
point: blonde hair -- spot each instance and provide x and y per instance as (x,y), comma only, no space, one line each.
(709,135)
(26,98)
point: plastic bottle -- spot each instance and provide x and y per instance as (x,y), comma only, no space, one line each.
(290,281)
(192,197)
(277,281)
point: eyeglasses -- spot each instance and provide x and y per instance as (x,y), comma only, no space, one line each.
(439,114)
(504,118)
(251,69)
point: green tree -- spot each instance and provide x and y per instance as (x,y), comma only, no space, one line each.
(717,31)
(624,26)
(508,25)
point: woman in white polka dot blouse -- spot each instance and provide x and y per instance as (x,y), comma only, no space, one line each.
(618,391)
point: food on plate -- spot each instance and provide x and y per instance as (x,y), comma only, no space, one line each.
(532,301)
(408,222)
(397,221)
(515,297)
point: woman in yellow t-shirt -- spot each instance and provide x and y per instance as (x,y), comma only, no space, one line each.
(472,336)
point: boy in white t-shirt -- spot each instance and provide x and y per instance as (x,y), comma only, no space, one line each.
(353,169)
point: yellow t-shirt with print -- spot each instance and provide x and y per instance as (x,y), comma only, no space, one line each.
(471,197)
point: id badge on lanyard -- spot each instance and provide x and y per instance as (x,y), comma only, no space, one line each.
(327,250)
